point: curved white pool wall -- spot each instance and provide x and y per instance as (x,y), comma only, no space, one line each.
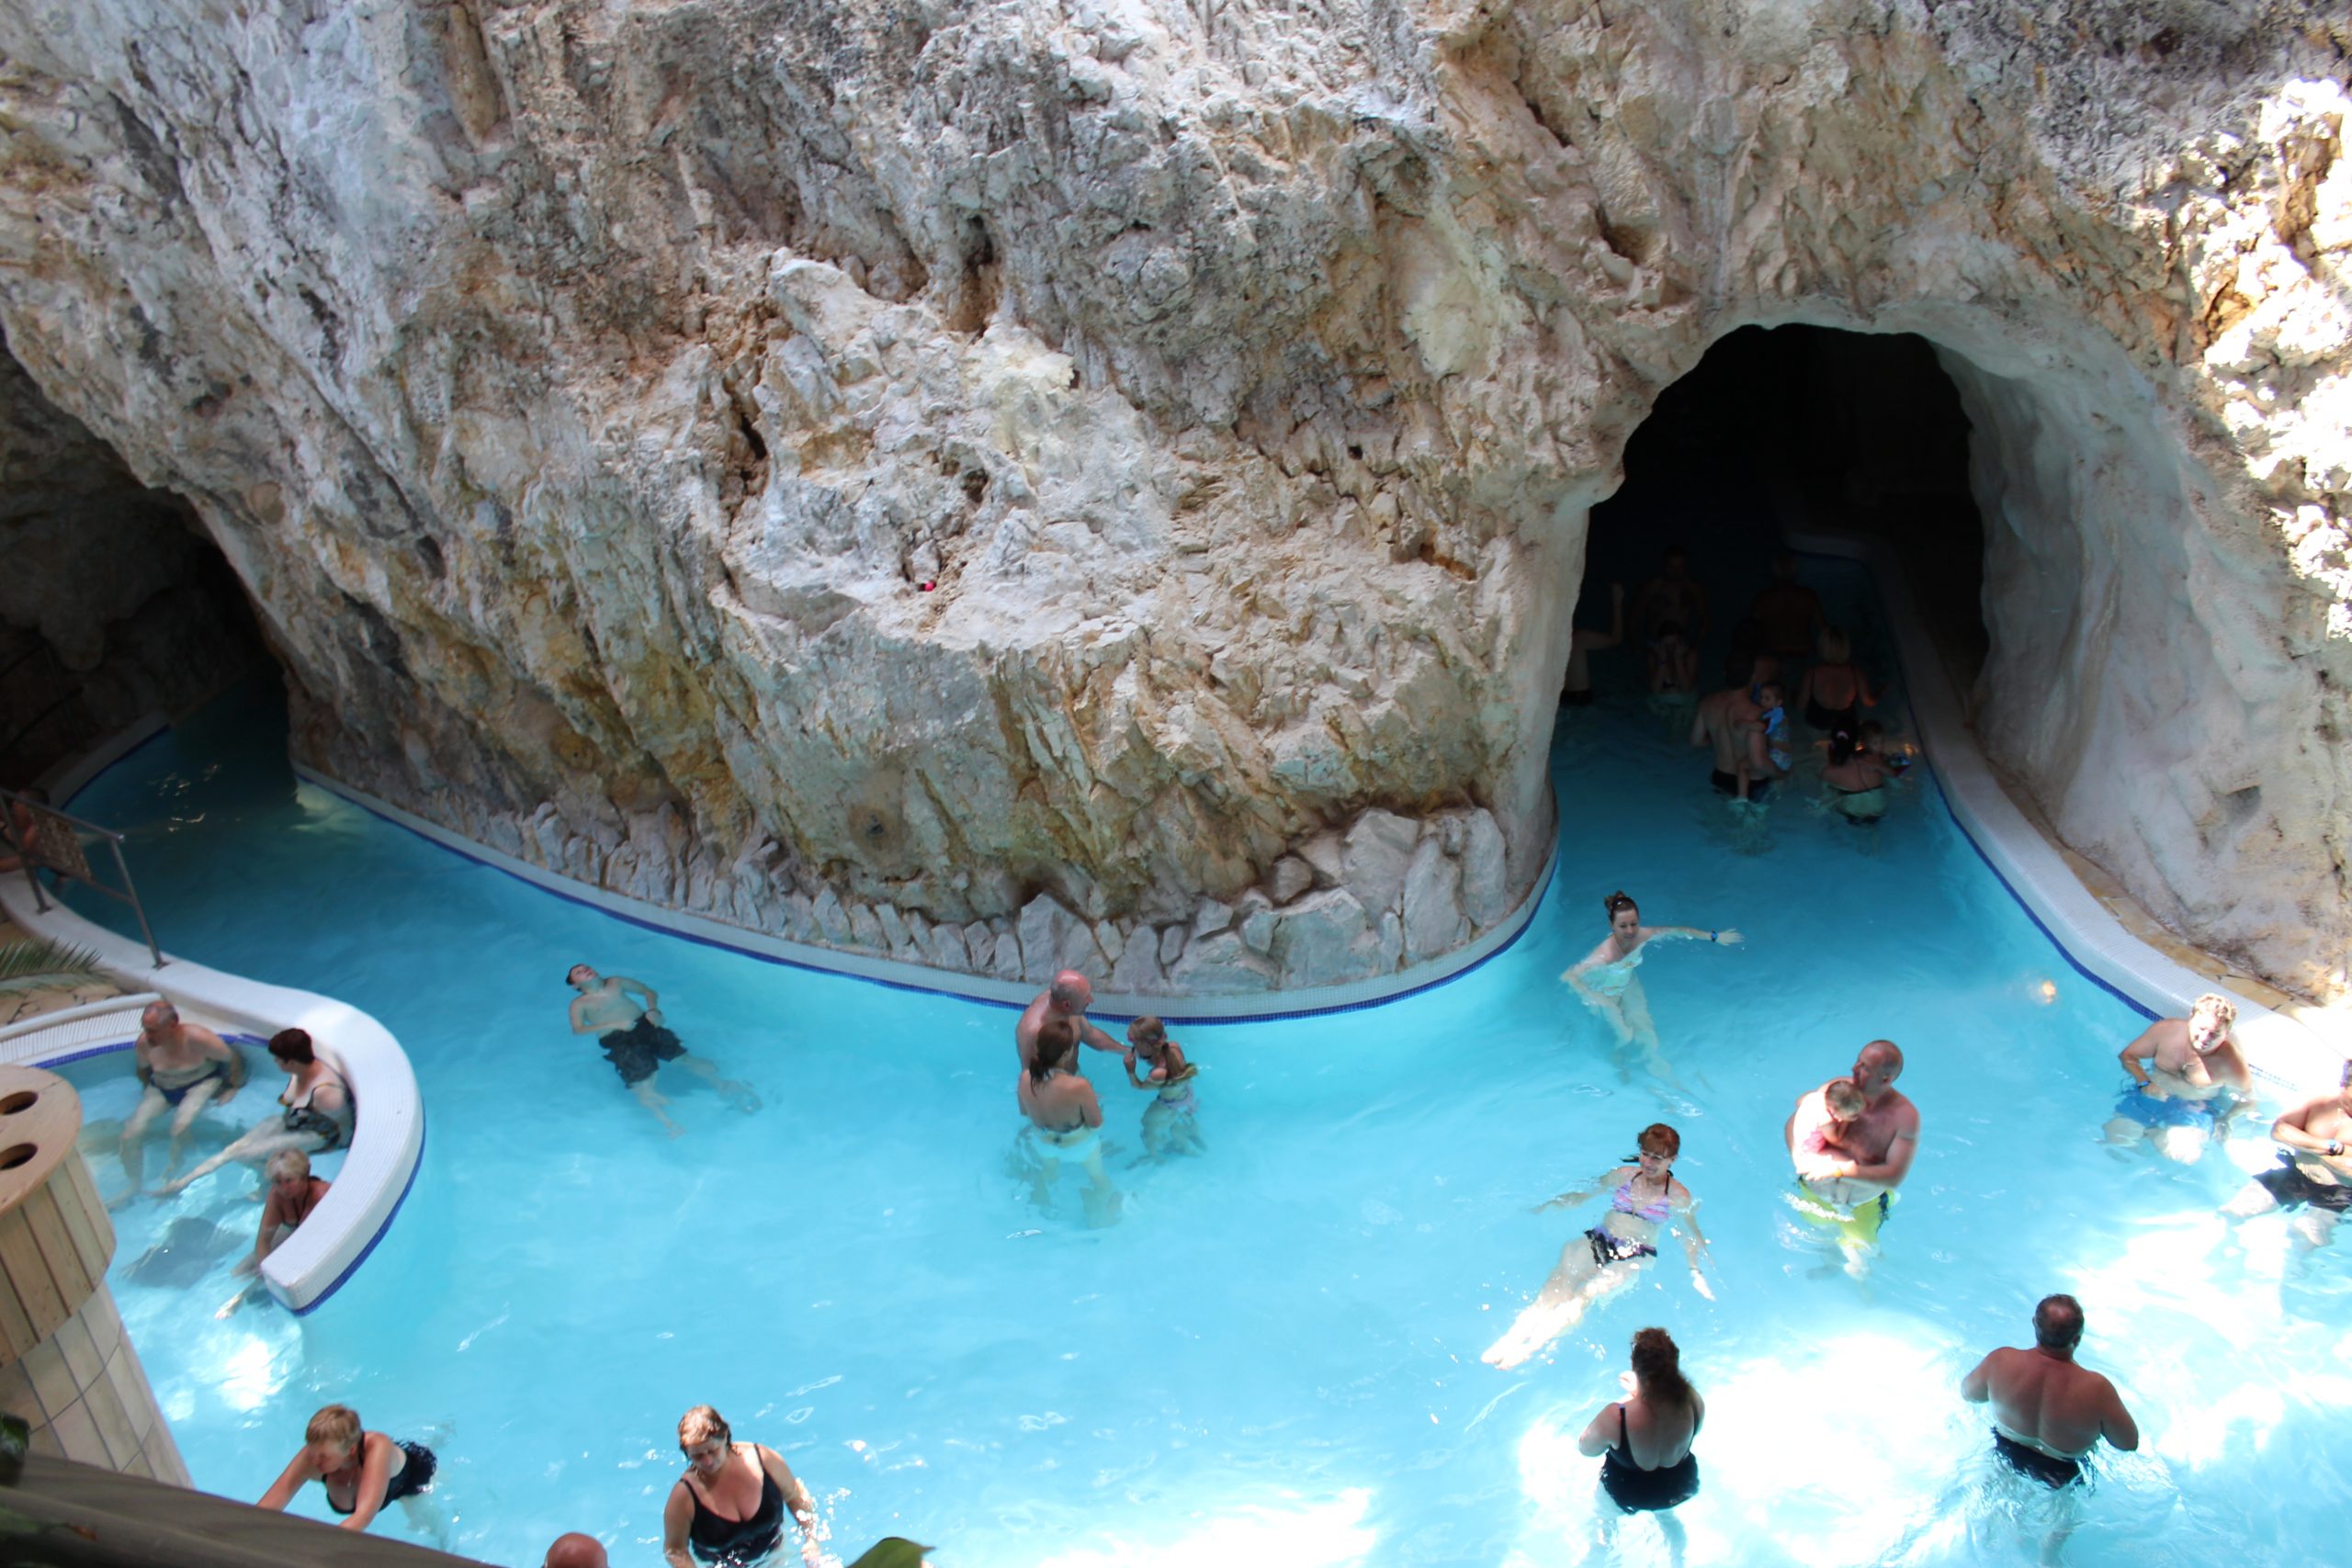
(2276,1046)
(388,1136)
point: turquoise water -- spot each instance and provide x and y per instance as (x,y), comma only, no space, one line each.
(1273,1357)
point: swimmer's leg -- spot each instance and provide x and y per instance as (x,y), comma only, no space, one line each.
(1102,1200)
(1670,1527)
(1634,1007)
(425,1518)
(1557,1307)
(134,1138)
(737,1092)
(2313,1229)
(255,1147)
(650,1098)
(2121,1131)
(192,1105)
(2252,1199)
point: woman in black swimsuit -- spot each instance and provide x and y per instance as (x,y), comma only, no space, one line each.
(363,1471)
(729,1506)
(1644,1441)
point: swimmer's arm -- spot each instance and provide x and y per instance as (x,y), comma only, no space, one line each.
(2141,1049)
(2292,1130)
(1895,1166)
(1597,1439)
(1977,1386)
(1726,937)
(579,1010)
(281,1491)
(1089,1034)
(1574,972)
(1695,1245)
(220,1049)
(677,1519)
(1585,1194)
(1699,736)
(375,1474)
(1090,1107)
(652,998)
(796,1493)
(2114,1424)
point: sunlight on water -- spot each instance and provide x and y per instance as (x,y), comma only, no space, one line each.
(1326,1534)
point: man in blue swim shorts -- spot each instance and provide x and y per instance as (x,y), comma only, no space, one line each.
(2194,1079)
(637,1043)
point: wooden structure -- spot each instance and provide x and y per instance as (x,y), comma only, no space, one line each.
(66,1366)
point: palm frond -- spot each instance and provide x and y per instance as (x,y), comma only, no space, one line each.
(37,964)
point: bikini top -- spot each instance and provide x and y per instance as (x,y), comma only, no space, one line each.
(1623,1201)
(293,1101)
(1625,1445)
(718,1539)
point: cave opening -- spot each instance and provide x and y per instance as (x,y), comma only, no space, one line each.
(115,603)
(1787,427)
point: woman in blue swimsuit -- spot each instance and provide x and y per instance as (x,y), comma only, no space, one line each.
(1605,977)
(1643,1200)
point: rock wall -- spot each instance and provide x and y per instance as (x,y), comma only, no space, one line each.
(112,606)
(1111,475)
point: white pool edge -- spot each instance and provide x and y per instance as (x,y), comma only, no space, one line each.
(1240,1007)
(387,1139)
(2277,1047)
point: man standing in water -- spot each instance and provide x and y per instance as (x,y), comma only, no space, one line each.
(182,1068)
(2182,1093)
(2315,1174)
(636,1043)
(1672,595)
(1067,998)
(1848,1170)
(1721,720)
(2048,1413)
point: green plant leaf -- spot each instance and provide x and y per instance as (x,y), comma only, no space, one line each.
(35,964)
(892,1552)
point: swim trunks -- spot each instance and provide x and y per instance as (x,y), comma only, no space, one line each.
(2290,1187)
(1858,1225)
(172,1095)
(1728,783)
(2138,1105)
(2048,1469)
(1862,807)
(318,1123)
(636,1051)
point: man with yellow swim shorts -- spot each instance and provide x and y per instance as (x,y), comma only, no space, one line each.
(1852,1142)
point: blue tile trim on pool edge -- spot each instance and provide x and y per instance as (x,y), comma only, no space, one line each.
(1533,905)
(423,1128)
(1894,647)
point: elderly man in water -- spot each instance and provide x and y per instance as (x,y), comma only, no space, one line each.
(182,1068)
(2184,1094)
(636,1042)
(1848,1167)
(2314,1177)
(1067,998)
(2048,1413)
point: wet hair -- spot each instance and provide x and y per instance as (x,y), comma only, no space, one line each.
(336,1423)
(294,1160)
(1834,646)
(1147,1030)
(1056,1038)
(2058,1322)
(1667,1142)
(570,972)
(1772,683)
(292,1045)
(700,1425)
(1657,1361)
(1844,1099)
(1844,745)
(1620,899)
(2218,1005)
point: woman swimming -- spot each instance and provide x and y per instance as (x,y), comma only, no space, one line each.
(317,1115)
(363,1471)
(1605,977)
(1835,690)
(1643,1197)
(1644,1440)
(1170,1125)
(729,1507)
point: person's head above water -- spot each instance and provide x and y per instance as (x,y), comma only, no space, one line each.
(292,1047)
(1625,915)
(1833,646)
(1843,1099)
(580,977)
(1769,694)
(1877,1066)
(333,1433)
(1658,1362)
(290,1167)
(1148,1035)
(1660,1143)
(157,1015)
(1057,1043)
(1071,992)
(576,1550)
(1844,745)
(704,1437)
(2058,1325)
(2210,1018)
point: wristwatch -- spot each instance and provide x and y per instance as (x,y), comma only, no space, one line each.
(2333,1148)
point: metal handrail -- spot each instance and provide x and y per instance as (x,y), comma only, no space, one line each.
(37,851)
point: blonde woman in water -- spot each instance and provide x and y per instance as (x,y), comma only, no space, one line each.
(1605,977)
(1643,1200)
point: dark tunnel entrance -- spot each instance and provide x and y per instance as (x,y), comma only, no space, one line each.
(1785,428)
(114,602)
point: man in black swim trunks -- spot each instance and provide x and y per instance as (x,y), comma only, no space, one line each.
(637,1044)
(2048,1413)
(2314,1175)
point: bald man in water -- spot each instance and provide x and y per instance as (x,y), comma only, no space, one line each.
(1067,999)
(576,1550)
(1848,1170)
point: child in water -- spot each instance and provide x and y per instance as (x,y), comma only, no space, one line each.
(1168,1127)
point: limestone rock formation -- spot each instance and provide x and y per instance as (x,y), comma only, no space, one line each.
(1036,469)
